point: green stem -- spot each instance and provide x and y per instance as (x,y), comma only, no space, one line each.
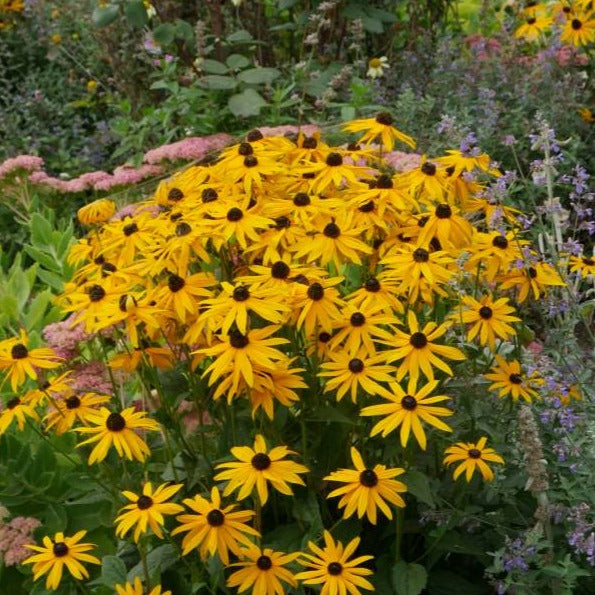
(400,521)
(143,556)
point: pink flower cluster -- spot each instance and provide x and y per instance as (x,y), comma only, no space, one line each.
(28,163)
(190,148)
(92,376)
(64,338)
(401,161)
(13,538)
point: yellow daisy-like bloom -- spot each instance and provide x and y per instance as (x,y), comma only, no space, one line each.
(331,173)
(263,571)
(473,456)
(408,410)
(447,226)
(587,115)
(509,379)
(59,553)
(19,410)
(257,467)
(214,529)
(532,280)
(99,211)
(579,30)
(367,489)
(489,319)
(138,589)
(380,127)
(118,430)
(584,265)
(317,305)
(460,162)
(238,354)
(66,412)
(348,372)
(331,567)
(19,361)
(147,510)
(418,350)
(533,27)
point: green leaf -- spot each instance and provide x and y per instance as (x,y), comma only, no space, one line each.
(41,231)
(54,518)
(164,34)
(104,15)
(259,76)
(184,30)
(237,61)
(408,579)
(136,13)
(418,484)
(220,83)
(113,571)
(162,557)
(347,113)
(241,36)
(52,279)
(372,25)
(213,66)
(285,4)
(245,104)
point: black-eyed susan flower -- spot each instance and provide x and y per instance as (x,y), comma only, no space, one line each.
(147,510)
(379,128)
(256,467)
(118,429)
(472,456)
(99,211)
(58,553)
(377,293)
(18,410)
(51,387)
(496,252)
(331,173)
(533,280)
(418,350)
(214,529)
(533,27)
(348,372)
(579,30)
(238,354)
(488,319)
(428,181)
(408,410)
(447,226)
(367,489)
(331,567)
(317,305)
(508,378)
(18,361)
(65,412)
(263,571)
(583,265)
(136,588)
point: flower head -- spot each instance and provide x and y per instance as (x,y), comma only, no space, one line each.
(472,456)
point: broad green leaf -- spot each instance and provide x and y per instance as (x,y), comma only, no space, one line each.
(241,36)
(113,571)
(237,61)
(164,34)
(184,30)
(220,83)
(245,104)
(54,518)
(41,231)
(347,113)
(259,76)
(419,485)
(136,13)
(213,66)
(104,15)
(408,579)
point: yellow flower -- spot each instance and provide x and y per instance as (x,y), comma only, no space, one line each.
(367,489)
(257,467)
(533,27)
(19,361)
(19,410)
(331,567)
(473,456)
(56,39)
(99,211)
(418,350)
(147,510)
(214,529)
(508,379)
(263,570)
(67,411)
(489,319)
(583,265)
(579,30)
(381,126)
(408,410)
(137,589)
(587,115)
(377,66)
(92,86)
(118,430)
(59,553)
(533,279)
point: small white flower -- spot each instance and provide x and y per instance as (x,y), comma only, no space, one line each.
(376,67)
(236,3)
